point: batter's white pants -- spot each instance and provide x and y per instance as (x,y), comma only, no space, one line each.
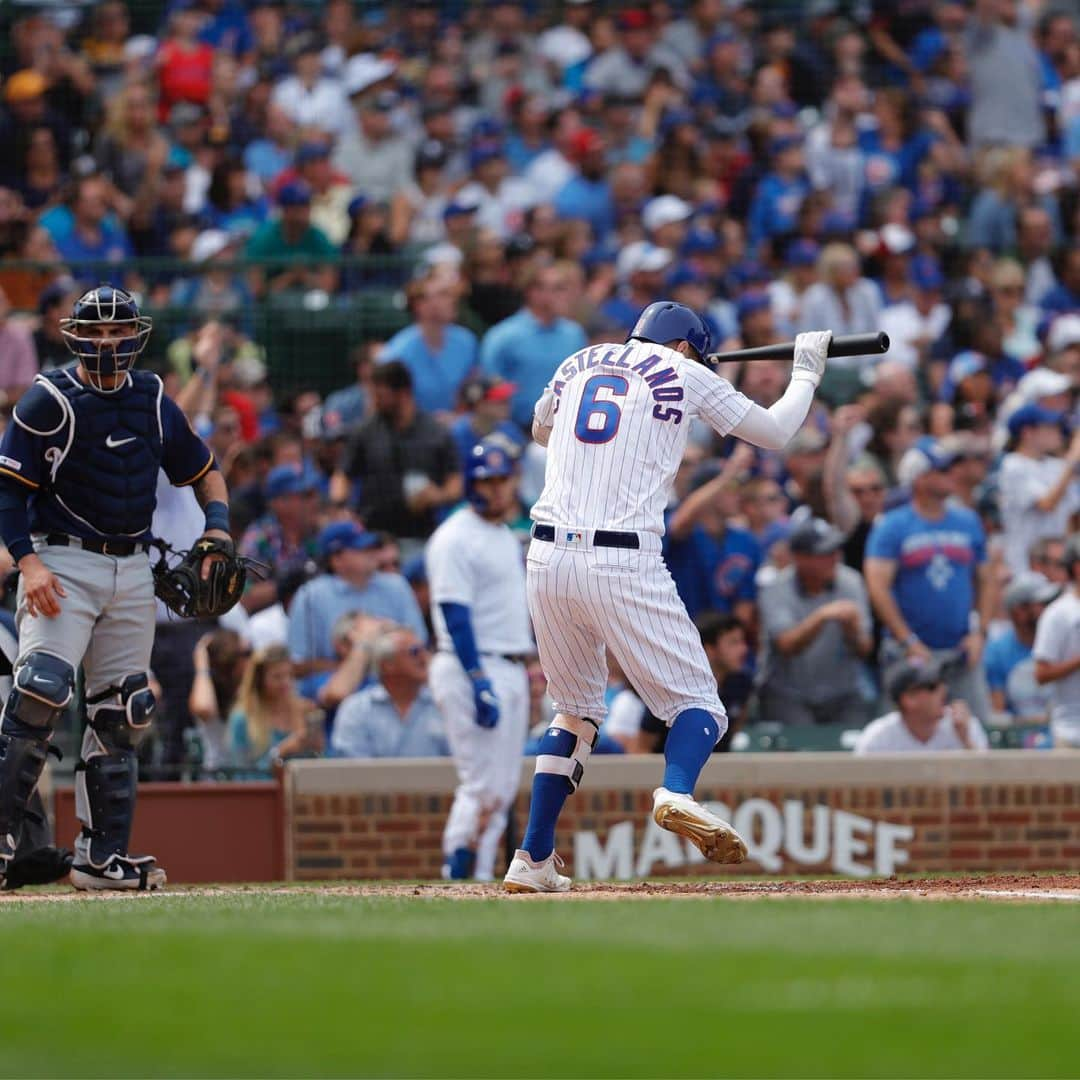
(488,761)
(583,598)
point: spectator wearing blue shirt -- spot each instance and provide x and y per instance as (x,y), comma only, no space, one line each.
(779,197)
(487,401)
(1010,666)
(928,578)
(271,155)
(94,238)
(526,348)
(713,562)
(352,584)
(588,194)
(395,717)
(1064,298)
(438,353)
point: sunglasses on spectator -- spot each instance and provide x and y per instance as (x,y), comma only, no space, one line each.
(866,489)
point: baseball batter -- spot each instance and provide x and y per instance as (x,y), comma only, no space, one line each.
(478,678)
(615,420)
(78,471)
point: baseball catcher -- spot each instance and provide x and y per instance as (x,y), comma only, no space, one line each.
(78,472)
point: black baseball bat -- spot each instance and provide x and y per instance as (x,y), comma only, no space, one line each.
(847,345)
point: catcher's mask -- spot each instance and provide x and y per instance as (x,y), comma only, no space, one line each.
(105,356)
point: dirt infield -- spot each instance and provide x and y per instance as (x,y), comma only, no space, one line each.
(1031,887)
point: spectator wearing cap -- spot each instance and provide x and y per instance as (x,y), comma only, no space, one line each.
(214,291)
(816,630)
(712,561)
(300,250)
(779,196)
(966,396)
(787,292)
(351,584)
(1010,666)
(1039,486)
(402,459)
(914,326)
(587,195)
(1047,557)
(54,304)
(486,399)
(500,198)
(842,299)
(309,98)
(922,720)
(1057,652)
(722,88)
(928,577)
(24,107)
(639,272)
(375,158)
(666,219)
(520,349)
(271,154)
(395,716)
(331,191)
(285,537)
(437,351)
(627,67)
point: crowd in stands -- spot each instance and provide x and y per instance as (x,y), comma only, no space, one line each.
(525,179)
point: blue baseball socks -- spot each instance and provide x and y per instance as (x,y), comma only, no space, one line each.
(689,744)
(549,793)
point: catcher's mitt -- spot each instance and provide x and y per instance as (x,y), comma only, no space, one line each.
(181,587)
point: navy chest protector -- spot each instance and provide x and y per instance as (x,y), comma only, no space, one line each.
(103,460)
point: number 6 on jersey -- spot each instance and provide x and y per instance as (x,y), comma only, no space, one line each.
(598,418)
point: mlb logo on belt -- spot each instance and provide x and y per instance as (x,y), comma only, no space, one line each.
(574,537)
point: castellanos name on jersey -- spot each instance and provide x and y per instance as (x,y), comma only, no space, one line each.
(619,423)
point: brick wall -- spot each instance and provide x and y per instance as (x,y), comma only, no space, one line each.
(801,814)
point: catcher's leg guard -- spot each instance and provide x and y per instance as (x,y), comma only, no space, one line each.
(108,769)
(43,685)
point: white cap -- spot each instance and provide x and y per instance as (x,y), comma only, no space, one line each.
(442,254)
(641,255)
(897,239)
(366,70)
(565,46)
(664,210)
(1064,333)
(209,243)
(140,47)
(1043,382)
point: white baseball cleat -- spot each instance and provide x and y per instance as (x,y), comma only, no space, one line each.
(714,838)
(526,876)
(137,872)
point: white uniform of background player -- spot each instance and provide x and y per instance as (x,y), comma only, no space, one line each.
(615,419)
(475,564)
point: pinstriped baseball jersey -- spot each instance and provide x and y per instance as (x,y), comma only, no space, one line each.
(619,417)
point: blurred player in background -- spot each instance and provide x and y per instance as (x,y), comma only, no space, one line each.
(478,676)
(615,420)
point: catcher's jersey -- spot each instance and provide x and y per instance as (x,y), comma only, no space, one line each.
(619,417)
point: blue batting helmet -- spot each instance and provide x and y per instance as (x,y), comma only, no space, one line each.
(487,460)
(667,321)
(103,356)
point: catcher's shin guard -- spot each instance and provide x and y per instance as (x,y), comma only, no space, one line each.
(108,770)
(42,688)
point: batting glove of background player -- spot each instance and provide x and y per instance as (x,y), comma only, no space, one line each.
(487,704)
(811,350)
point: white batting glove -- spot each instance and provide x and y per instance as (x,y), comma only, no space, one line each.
(811,350)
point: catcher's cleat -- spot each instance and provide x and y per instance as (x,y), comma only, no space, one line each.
(526,876)
(714,838)
(7,856)
(137,872)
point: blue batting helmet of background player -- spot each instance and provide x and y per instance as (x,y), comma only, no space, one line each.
(488,460)
(106,306)
(667,321)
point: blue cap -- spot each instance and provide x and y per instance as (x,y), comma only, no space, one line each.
(1032,415)
(926,456)
(685,275)
(802,252)
(724,36)
(749,272)
(673,118)
(356,204)
(836,221)
(926,273)
(458,206)
(784,142)
(346,535)
(701,242)
(484,152)
(294,193)
(290,480)
(751,302)
(312,151)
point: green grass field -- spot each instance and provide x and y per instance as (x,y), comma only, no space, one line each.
(265,984)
